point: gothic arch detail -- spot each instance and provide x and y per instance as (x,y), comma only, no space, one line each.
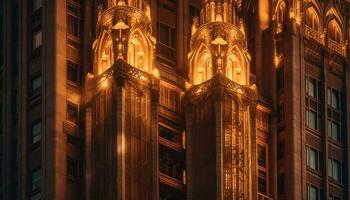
(236,67)
(139,52)
(202,65)
(105,55)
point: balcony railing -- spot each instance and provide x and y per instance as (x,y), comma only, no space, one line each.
(335,46)
(311,33)
(263,197)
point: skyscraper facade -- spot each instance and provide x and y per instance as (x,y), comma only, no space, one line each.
(174,99)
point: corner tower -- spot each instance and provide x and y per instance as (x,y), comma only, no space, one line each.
(220,105)
(121,105)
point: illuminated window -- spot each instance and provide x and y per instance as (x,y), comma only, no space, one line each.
(36,176)
(334,31)
(36,132)
(138,53)
(37,39)
(334,169)
(311,19)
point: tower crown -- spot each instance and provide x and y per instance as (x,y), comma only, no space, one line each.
(124,31)
(218,43)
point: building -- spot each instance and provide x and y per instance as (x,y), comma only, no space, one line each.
(174,99)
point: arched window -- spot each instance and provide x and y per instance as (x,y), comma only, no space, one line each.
(280,16)
(334,31)
(311,19)
(105,53)
(235,69)
(138,51)
(203,68)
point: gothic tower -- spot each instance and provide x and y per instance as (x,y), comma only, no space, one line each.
(122,104)
(220,106)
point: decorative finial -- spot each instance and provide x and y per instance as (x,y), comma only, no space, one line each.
(195,25)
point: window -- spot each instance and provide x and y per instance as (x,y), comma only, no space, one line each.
(72,167)
(313,103)
(335,115)
(169,98)
(36,180)
(74,22)
(334,31)
(262,182)
(332,197)
(280,114)
(37,4)
(73,73)
(37,39)
(194,12)
(167,40)
(72,112)
(281,184)
(36,84)
(312,192)
(261,155)
(334,169)
(36,132)
(313,158)
(311,19)
(280,150)
(36,197)
(73,140)
(280,78)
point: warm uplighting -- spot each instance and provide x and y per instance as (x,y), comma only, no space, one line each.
(156,73)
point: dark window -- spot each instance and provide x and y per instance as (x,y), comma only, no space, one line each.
(72,112)
(313,193)
(73,140)
(167,41)
(313,106)
(170,165)
(72,167)
(281,184)
(280,78)
(73,73)
(332,197)
(280,150)
(37,4)
(74,22)
(36,179)
(194,12)
(262,182)
(335,115)
(280,114)
(313,158)
(37,196)
(36,132)
(334,169)
(35,85)
(261,155)
(37,39)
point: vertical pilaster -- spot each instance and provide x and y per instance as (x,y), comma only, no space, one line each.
(219,132)
(155,144)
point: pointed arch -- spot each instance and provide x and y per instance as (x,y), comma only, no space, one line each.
(280,15)
(334,31)
(138,50)
(312,18)
(104,52)
(236,66)
(202,65)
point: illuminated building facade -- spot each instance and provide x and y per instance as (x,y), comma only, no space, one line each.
(174,99)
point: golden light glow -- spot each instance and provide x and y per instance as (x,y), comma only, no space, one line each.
(156,73)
